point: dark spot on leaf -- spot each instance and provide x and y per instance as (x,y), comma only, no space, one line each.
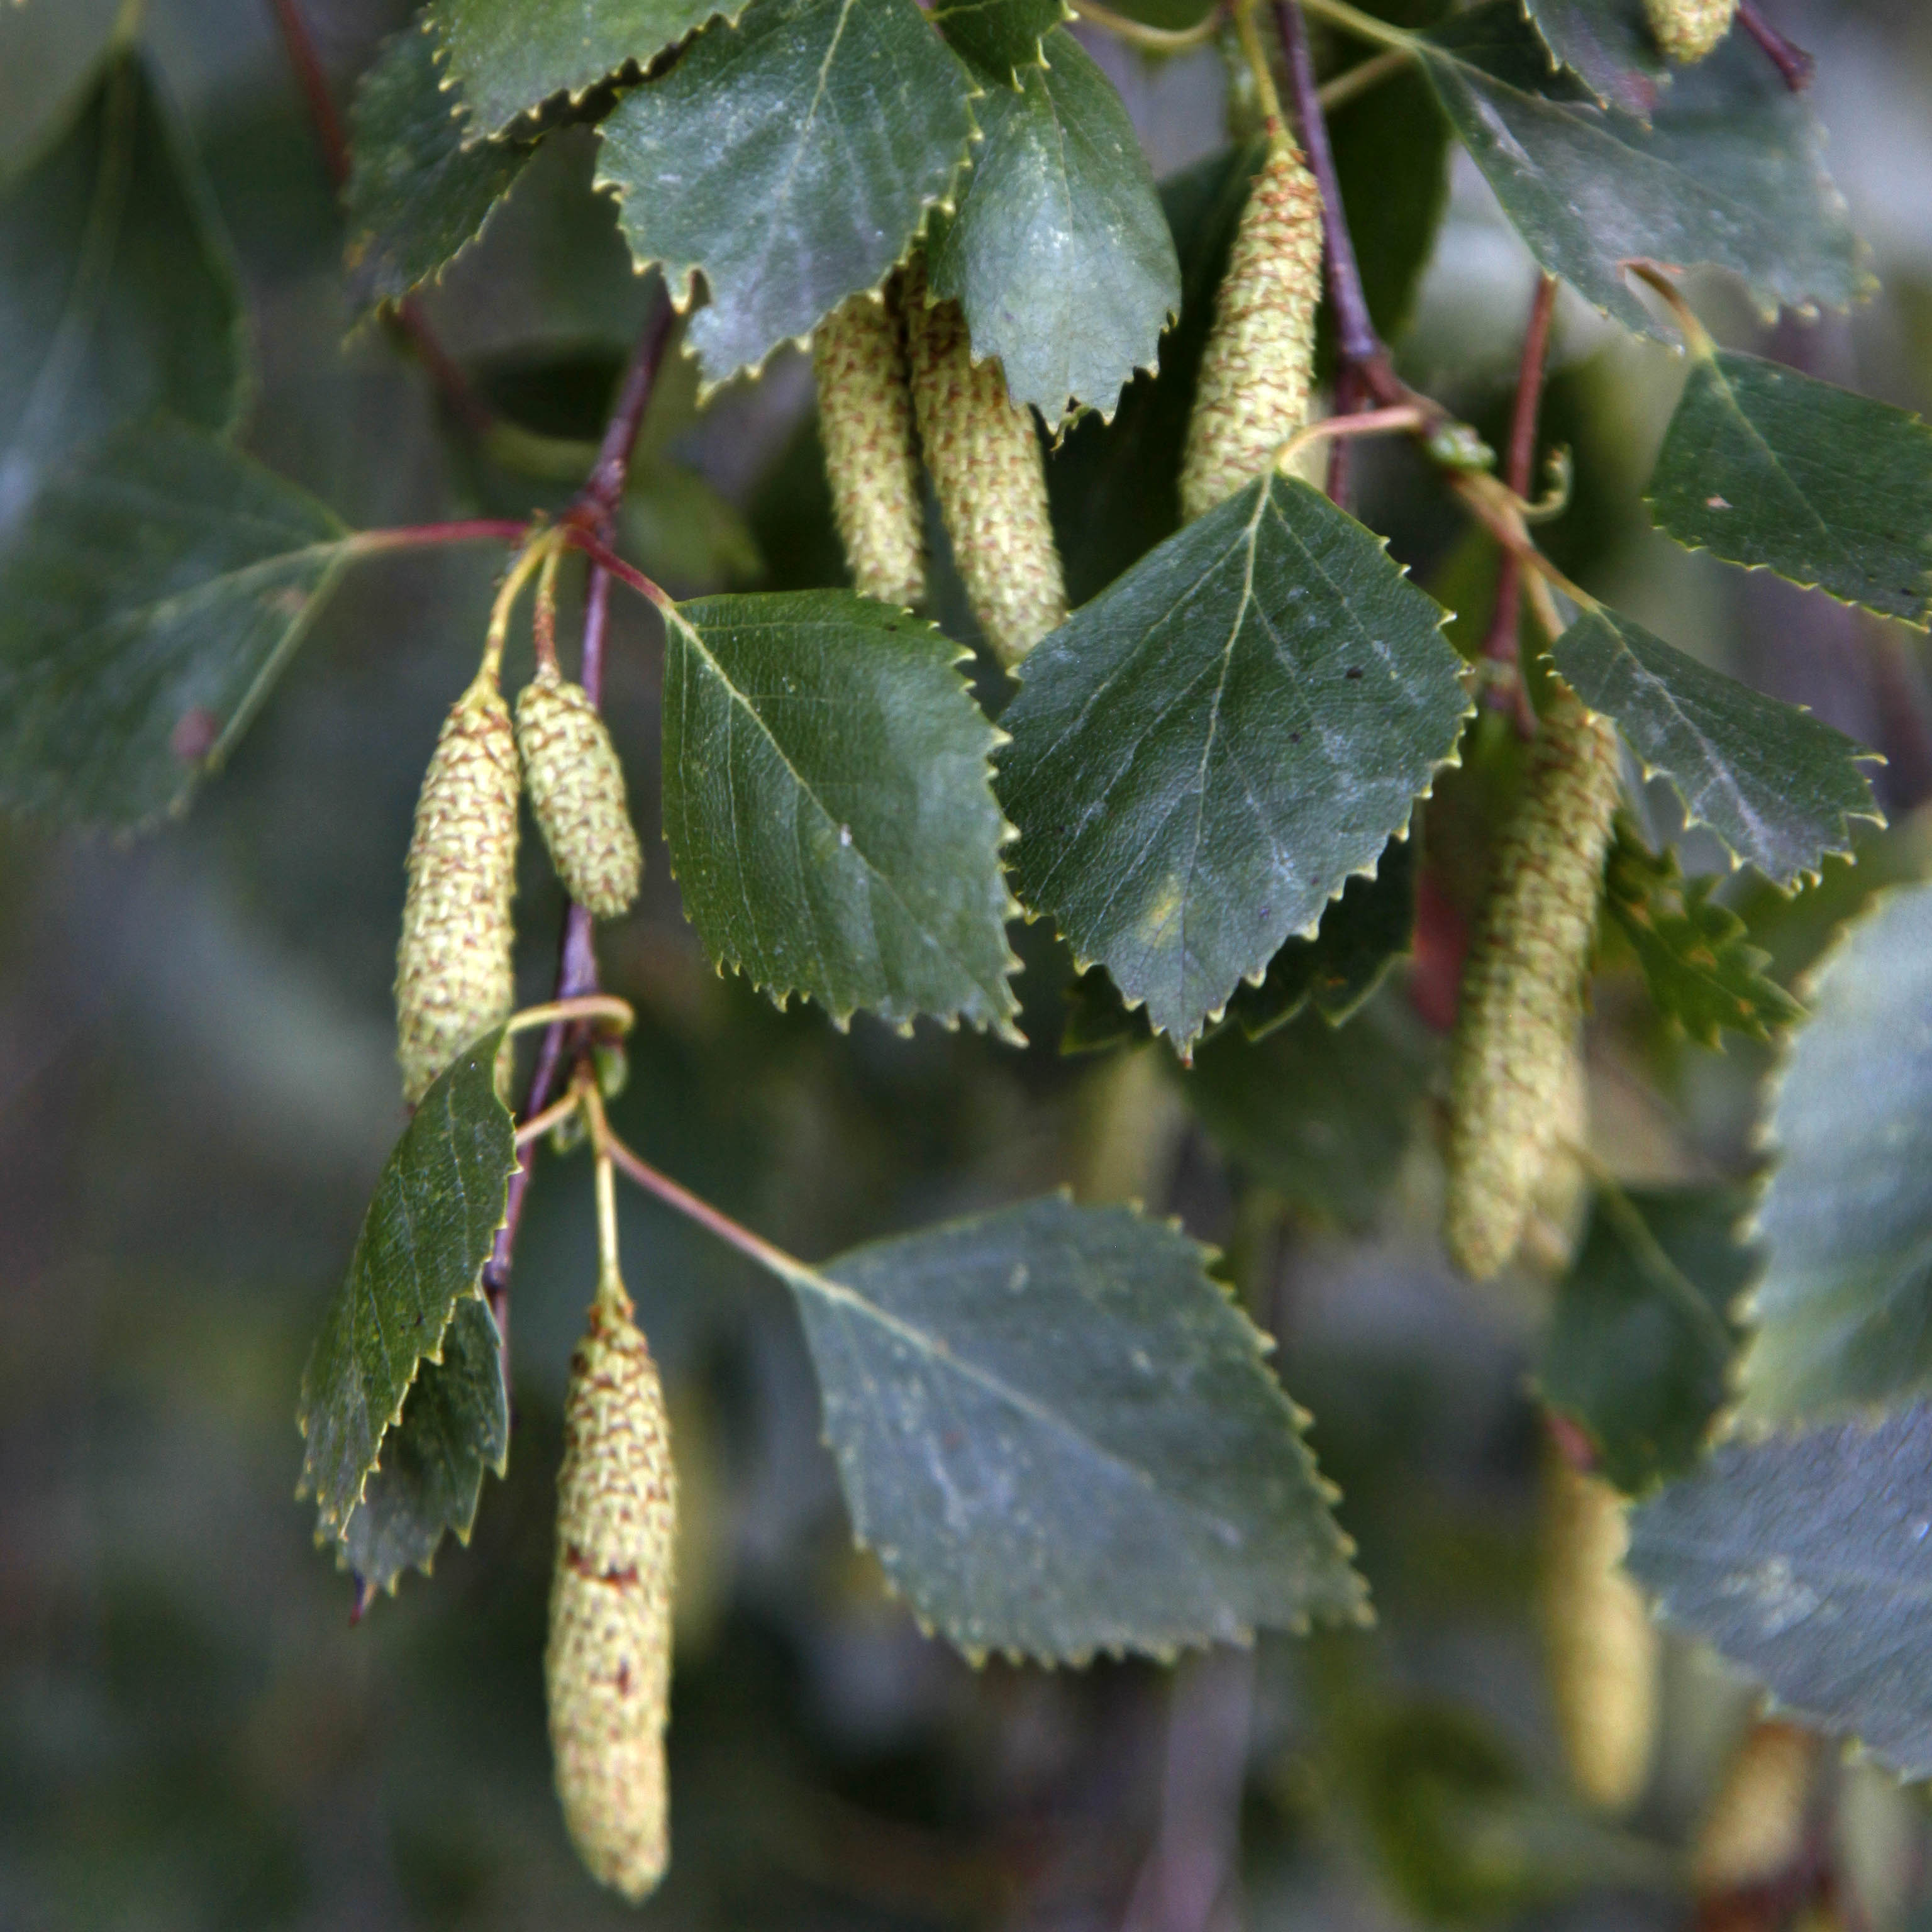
(1352,672)
(194,735)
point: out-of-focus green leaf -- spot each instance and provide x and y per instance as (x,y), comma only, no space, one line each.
(1391,148)
(1775,470)
(119,295)
(508,57)
(1608,45)
(427,1233)
(417,197)
(148,605)
(791,159)
(1003,36)
(1362,935)
(1844,1312)
(1726,173)
(1059,254)
(1806,1561)
(1777,787)
(1696,956)
(1060,1436)
(828,803)
(1202,755)
(1640,1351)
(455,1424)
(1323,1116)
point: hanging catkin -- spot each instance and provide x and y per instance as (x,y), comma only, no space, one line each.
(865,422)
(1522,983)
(1688,30)
(1599,1643)
(454,977)
(576,785)
(1252,395)
(607,1670)
(1754,1830)
(988,474)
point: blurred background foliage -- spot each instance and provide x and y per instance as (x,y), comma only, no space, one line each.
(197,1091)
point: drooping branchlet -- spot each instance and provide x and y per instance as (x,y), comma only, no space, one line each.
(864,423)
(577,793)
(988,474)
(1599,1643)
(607,1669)
(1522,993)
(1252,395)
(1688,30)
(454,975)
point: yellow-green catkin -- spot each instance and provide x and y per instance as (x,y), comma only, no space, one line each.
(576,785)
(988,474)
(1599,1643)
(606,1670)
(864,423)
(1252,392)
(1688,30)
(1754,1830)
(454,975)
(1521,1002)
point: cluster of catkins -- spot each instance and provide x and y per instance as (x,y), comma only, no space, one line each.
(454,966)
(897,378)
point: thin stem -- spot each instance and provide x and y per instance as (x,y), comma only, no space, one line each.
(1501,646)
(543,614)
(580,1006)
(604,490)
(611,1293)
(1360,78)
(1356,344)
(1791,61)
(1696,337)
(1363,26)
(606,559)
(534,553)
(421,536)
(1256,54)
(330,135)
(538,1125)
(1155,39)
(1372,422)
(713,1220)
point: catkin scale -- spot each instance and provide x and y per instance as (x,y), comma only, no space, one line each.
(576,786)
(1688,30)
(1252,395)
(454,963)
(865,424)
(989,474)
(1754,1830)
(1522,992)
(606,1668)
(1600,1644)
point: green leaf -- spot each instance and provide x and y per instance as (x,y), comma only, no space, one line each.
(1003,36)
(1807,1560)
(828,801)
(1641,1349)
(1844,1311)
(1362,935)
(455,1424)
(1727,173)
(791,159)
(1202,755)
(1702,970)
(424,1239)
(1608,45)
(417,197)
(1777,787)
(119,294)
(154,596)
(1059,253)
(1322,1116)
(508,57)
(1060,1436)
(1774,470)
